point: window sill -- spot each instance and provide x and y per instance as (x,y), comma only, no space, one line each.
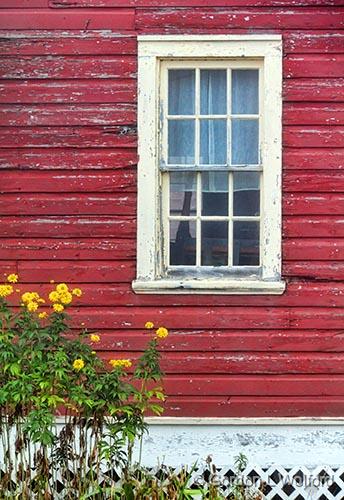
(208,286)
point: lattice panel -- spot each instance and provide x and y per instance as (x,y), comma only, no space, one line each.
(279,483)
(273,483)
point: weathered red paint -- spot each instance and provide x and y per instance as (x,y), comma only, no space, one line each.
(68,183)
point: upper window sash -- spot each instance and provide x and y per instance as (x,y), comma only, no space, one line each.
(198,115)
(153,50)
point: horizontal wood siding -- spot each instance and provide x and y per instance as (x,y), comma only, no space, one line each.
(68,161)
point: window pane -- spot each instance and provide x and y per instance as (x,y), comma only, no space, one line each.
(213,92)
(181,142)
(245,142)
(245,91)
(182,193)
(246,243)
(214,243)
(182,243)
(213,143)
(246,193)
(181,91)
(215,193)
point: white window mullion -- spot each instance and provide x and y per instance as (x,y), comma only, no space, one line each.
(229,119)
(198,222)
(230,219)
(197,112)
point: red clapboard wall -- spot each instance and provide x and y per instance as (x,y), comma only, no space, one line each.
(68,197)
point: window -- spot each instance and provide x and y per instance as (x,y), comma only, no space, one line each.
(209,194)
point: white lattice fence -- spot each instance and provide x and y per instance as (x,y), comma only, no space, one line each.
(279,483)
(273,483)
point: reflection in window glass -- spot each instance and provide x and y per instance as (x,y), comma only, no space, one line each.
(246,243)
(213,143)
(246,196)
(245,142)
(213,92)
(214,241)
(182,193)
(181,91)
(245,91)
(182,243)
(215,193)
(181,142)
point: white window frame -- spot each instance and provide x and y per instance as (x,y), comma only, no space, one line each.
(152,51)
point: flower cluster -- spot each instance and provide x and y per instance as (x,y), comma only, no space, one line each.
(12,278)
(62,296)
(160,333)
(7,289)
(32,301)
(120,363)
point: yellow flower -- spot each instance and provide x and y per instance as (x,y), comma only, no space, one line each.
(42,315)
(161,332)
(58,308)
(62,288)
(6,290)
(93,352)
(120,363)
(32,306)
(126,363)
(66,298)
(27,297)
(77,292)
(149,325)
(12,278)
(94,338)
(78,364)
(54,296)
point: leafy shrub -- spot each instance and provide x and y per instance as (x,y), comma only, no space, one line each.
(49,374)
(46,372)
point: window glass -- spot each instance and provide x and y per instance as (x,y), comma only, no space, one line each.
(182,193)
(246,196)
(214,211)
(213,142)
(246,243)
(181,142)
(181,92)
(182,243)
(245,134)
(245,91)
(214,193)
(213,92)
(214,243)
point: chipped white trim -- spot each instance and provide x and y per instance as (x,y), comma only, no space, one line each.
(208,38)
(285,443)
(292,421)
(229,287)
